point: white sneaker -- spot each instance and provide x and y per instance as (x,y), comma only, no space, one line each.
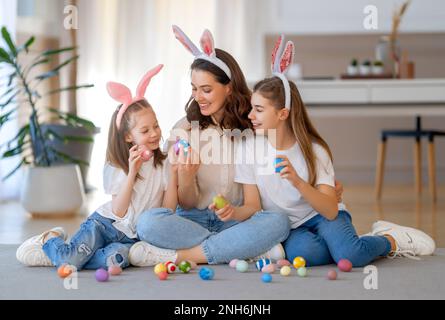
(143,254)
(274,254)
(30,252)
(410,242)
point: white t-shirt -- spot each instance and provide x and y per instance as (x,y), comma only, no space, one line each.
(147,193)
(255,165)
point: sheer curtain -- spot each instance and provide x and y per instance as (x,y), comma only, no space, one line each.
(8,188)
(119,40)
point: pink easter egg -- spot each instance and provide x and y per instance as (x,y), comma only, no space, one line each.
(232,263)
(332,274)
(146,153)
(269,268)
(283,262)
(114,270)
(344,265)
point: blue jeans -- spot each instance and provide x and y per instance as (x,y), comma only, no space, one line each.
(320,241)
(220,241)
(98,244)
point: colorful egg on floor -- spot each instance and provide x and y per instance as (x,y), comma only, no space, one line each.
(332,274)
(185,266)
(232,263)
(302,271)
(344,265)
(206,273)
(270,268)
(285,271)
(171,267)
(266,278)
(299,262)
(242,266)
(260,264)
(65,270)
(160,267)
(102,275)
(283,262)
(114,270)
(162,275)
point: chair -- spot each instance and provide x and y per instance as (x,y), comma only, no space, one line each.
(417,134)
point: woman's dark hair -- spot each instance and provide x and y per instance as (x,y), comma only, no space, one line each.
(237,105)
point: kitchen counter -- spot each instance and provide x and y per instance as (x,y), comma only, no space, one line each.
(390,91)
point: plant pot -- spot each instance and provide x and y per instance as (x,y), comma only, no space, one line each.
(52,191)
(365,70)
(75,149)
(352,70)
(377,70)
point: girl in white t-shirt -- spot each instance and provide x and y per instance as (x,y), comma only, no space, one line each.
(135,175)
(303,187)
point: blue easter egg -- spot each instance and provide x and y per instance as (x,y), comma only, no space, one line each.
(206,273)
(261,263)
(277,161)
(266,278)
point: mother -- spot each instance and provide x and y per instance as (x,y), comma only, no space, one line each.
(220,100)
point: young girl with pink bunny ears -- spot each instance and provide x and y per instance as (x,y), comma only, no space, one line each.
(135,175)
(300,180)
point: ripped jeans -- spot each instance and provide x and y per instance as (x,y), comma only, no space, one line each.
(98,244)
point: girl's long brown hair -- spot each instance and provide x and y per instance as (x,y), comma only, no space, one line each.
(298,120)
(118,150)
(237,105)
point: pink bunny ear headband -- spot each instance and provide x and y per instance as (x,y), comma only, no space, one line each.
(208,48)
(122,94)
(282,57)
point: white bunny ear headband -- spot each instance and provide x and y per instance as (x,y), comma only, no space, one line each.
(282,57)
(122,94)
(208,48)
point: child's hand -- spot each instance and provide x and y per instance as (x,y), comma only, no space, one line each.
(134,161)
(288,172)
(339,191)
(225,214)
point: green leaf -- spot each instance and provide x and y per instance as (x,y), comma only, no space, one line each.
(20,137)
(74,120)
(67,158)
(55,71)
(23,162)
(13,152)
(56,51)
(26,45)
(11,77)
(9,100)
(35,64)
(69,89)
(4,56)
(5,118)
(78,139)
(8,40)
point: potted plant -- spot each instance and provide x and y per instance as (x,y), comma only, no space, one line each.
(377,67)
(365,68)
(352,69)
(52,182)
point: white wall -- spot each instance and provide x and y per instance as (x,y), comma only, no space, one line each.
(346,16)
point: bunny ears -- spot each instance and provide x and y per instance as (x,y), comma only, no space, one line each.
(208,49)
(282,57)
(122,94)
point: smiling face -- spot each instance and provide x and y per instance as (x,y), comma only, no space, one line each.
(264,115)
(144,129)
(209,93)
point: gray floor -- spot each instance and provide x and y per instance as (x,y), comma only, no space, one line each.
(397,279)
